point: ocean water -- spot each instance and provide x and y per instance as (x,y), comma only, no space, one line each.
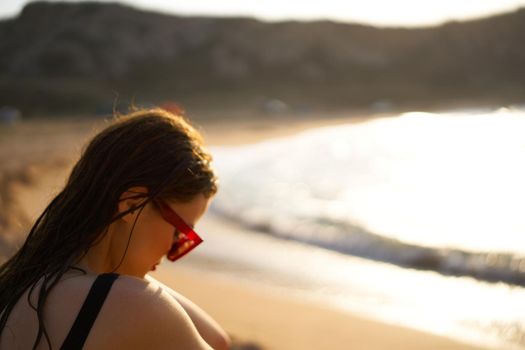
(415,219)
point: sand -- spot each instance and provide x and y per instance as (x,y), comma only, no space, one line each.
(278,322)
(35,160)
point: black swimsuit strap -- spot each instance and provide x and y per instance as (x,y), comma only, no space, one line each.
(89,311)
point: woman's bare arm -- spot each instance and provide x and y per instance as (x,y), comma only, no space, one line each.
(207,327)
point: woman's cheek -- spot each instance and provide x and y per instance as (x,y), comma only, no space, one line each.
(162,242)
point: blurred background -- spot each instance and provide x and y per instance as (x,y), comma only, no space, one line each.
(370,155)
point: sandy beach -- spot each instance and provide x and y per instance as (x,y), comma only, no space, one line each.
(275,321)
(34,167)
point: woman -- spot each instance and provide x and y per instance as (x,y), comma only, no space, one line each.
(80,279)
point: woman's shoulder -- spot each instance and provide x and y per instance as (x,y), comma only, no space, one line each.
(133,294)
(136,314)
(146,316)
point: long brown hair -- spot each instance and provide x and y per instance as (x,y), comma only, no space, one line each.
(151,148)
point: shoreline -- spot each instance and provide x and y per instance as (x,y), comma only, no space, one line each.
(275,321)
(240,270)
(251,130)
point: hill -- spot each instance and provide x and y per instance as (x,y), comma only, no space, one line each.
(77,57)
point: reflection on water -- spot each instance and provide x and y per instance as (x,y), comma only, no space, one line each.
(447,180)
(438,193)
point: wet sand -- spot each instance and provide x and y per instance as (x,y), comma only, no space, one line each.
(280,322)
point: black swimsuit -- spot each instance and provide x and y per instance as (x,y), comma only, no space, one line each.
(89,311)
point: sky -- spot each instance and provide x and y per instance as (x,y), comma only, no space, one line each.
(406,13)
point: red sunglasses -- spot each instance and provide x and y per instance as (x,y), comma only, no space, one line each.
(187,238)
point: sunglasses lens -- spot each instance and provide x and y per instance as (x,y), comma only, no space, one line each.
(181,246)
(186,238)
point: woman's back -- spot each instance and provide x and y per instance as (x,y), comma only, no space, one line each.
(135,314)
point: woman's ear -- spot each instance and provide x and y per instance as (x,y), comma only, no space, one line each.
(131,200)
